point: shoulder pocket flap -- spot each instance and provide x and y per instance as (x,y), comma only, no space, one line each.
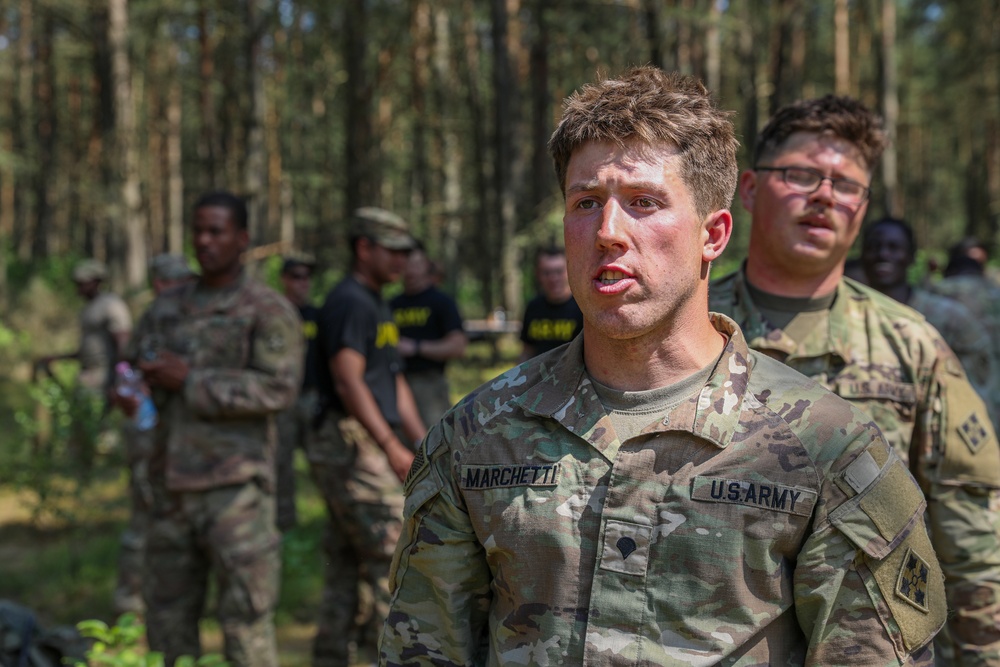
(879,519)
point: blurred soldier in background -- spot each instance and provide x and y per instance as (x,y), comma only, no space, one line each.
(295,422)
(222,355)
(105,327)
(552,317)
(807,193)
(361,447)
(166,271)
(888,251)
(430,334)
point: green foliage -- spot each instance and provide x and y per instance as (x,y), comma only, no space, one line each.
(60,449)
(118,646)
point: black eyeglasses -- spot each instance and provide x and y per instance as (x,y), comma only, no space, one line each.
(807,181)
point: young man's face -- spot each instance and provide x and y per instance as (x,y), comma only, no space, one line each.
(296,282)
(218,242)
(885,256)
(803,235)
(637,249)
(417,273)
(552,280)
(383,265)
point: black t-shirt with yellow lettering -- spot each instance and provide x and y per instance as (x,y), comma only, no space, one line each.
(310,327)
(357,318)
(546,325)
(429,315)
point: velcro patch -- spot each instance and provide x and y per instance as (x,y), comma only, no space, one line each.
(419,463)
(506,476)
(973,432)
(912,582)
(862,472)
(788,499)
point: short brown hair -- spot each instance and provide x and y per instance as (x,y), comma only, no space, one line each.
(653,107)
(841,116)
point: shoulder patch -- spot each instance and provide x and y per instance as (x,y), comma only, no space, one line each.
(970,451)
(973,432)
(912,584)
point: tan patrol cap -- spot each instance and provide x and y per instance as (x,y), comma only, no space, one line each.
(383,227)
(88,270)
(170,266)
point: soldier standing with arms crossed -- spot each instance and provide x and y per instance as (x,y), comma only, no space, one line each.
(807,193)
(654,493)
(222,355)
(357,457)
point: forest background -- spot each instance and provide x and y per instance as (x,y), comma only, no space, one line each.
(116,114)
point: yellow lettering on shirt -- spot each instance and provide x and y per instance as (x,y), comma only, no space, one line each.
(387,335)
(309,330)
(561,330)
(411,317)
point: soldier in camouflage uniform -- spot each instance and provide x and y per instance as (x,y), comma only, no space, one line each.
(166,272)
(807,194)
(654,493)
(965,281)
(887,251)
(222,356)
(360,449)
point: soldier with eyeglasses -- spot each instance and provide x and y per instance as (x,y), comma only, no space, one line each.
(807,194)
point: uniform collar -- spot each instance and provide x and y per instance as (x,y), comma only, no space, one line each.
(566,394)
(836,339)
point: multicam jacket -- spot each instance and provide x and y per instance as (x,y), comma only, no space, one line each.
(762,521)
(883,357)
(245,348)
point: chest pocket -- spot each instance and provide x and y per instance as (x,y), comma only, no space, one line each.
(217,341)
(890,403)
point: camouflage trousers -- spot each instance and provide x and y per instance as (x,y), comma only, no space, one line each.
(293,427)
(364,501)
(227,531)
(132,544)
(431,394)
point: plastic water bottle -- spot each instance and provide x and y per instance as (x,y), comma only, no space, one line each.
(128,383)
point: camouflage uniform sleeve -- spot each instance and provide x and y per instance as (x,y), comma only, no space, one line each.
(440,580)
(270,380)
(959,466)
(868,588)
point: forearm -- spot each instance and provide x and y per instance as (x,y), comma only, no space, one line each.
(413,425)
(452,346)
(238,392)
(359,402)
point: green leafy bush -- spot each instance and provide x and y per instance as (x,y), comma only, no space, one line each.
(118,646)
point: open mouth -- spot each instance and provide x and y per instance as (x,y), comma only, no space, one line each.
(610,277)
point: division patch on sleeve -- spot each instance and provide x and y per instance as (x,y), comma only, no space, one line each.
(973,432)
(911,584)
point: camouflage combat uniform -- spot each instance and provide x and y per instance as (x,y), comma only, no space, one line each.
(212,469)
(982,297)
(882,357)
(966,337)
(760,521)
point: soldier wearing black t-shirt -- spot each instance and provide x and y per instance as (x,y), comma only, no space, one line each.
(551,318)
(355,451)
(294,423)
(430,329)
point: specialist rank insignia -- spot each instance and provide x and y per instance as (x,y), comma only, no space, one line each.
(912,582)
(973,432)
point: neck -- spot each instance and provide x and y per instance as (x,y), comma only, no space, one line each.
(366,279)
(654,360)
(774,280)
(222,279)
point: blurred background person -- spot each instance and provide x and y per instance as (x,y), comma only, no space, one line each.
(552,317)
(888,250)
(430,335)
(294,423)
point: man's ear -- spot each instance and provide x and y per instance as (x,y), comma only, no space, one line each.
(718,228)
(748,189)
